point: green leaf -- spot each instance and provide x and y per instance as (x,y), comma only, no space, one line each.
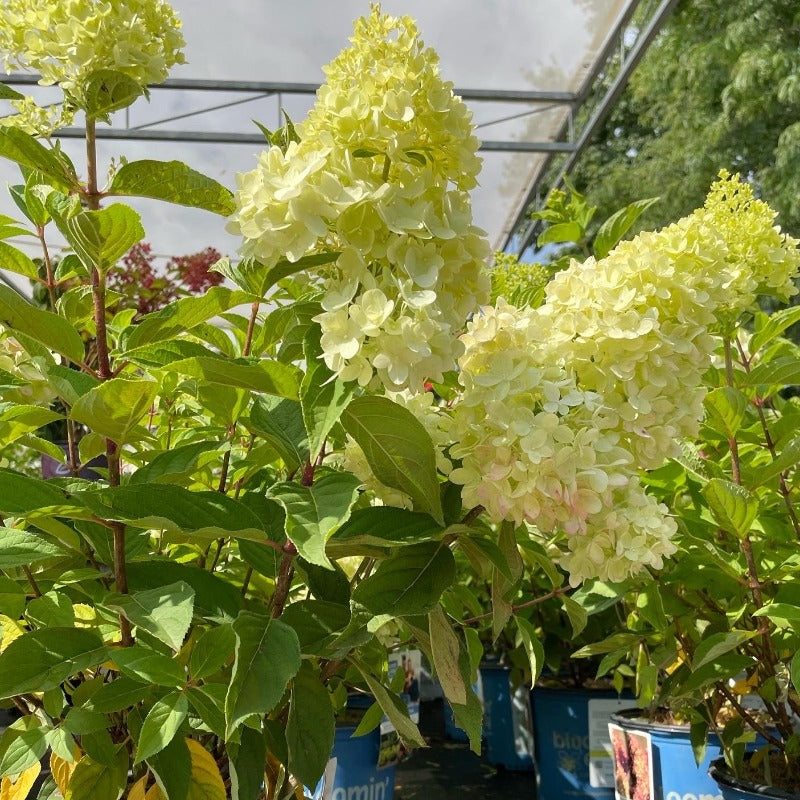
(80,721)
(502,609)
(611,643)
(507,542)
(409,583)
(323,397)
(383,526)
(726,408)
(720,669)
(159,354)
(795,670)
(43,659)
(718,644)
(7,93)
(561,232)
(280,422)
(316,623)
(146,665)
(775,325)
(310,726)
(172,768)
(396,710)
(174,182)
(209,703)
(107,90)
(398,449)
(20,548)
(212,651)
(446,650)
(161,724)
(651,607)
(53,610)
(18,420)
(165,613)
(373,717)
(617,225)
(93,781)
(269,377)
(213,597)
(69,384)
(332,585)
(45,327)
(780,372)
(578,616)
(247,765)
(172,466)
(119,694)
(267,658)
(175,509)
(116,407)
(733,507)
(314,512)
(21,746)
(784,615)
(101,238)
(12,596)
(15,260)
(184,314)
(25,150)
(788,456)
(283,269)
(252,276)
(533,647)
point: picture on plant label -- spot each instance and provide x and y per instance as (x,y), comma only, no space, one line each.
(633,775)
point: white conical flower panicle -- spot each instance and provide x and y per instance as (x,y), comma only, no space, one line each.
(381,175)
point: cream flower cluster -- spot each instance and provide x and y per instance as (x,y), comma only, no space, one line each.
(631,532)
(436,422)
(635,325)
(380,175)
(67,40)
(536,448)
(563,404)
(37,120)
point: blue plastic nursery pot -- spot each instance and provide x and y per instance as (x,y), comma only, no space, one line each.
(358,776)
(570,728)
(506,722)
(357,773)
(676,776)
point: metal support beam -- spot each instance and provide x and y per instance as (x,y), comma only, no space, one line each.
(603,109)
(273,87)
(223,137)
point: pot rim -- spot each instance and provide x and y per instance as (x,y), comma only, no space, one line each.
(635,718)
(720,772)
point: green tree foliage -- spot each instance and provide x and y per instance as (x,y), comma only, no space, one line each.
(719,88)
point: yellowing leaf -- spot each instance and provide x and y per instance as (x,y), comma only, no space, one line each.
(137,790)
(85,615)
(19,789)
(154,793)
(205,782)
(12,629)
(62,771)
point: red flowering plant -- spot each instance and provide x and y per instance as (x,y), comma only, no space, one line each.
(144,287)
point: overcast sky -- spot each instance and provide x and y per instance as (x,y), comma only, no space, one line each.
(488,44)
